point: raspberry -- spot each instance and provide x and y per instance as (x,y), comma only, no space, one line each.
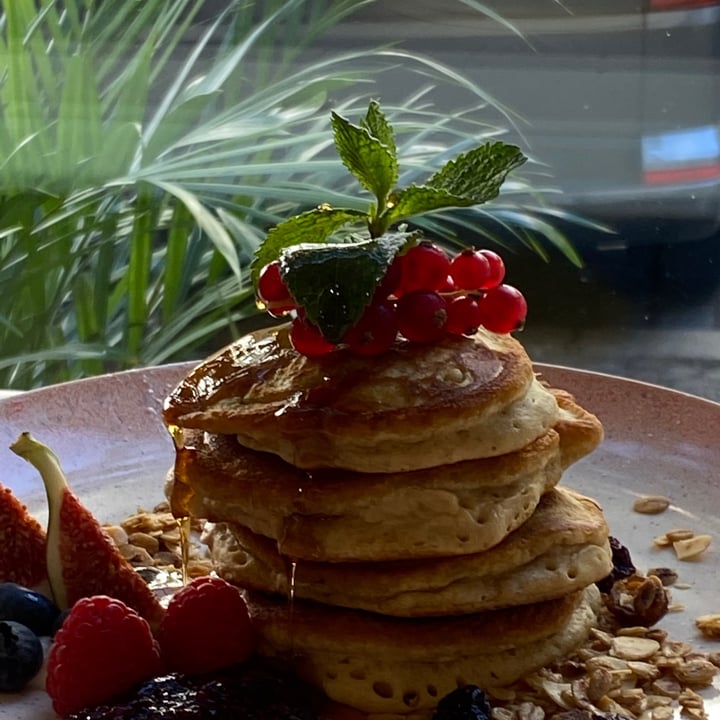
(103,649)
(206,628)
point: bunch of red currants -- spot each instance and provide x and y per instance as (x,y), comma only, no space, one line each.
(424,296)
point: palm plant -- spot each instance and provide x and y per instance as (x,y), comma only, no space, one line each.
(143,154)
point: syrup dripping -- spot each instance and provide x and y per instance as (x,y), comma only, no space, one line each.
(181,494)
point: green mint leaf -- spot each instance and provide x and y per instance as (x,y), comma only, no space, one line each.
(378,126)
(418,199)
(317,224)
(367,157)
(335,282)
(478,174)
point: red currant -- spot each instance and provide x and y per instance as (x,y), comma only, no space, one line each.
(497,269)
(307,339)
(502,309)
(470,270)
(273,292)
(422,316)
(425,266)
(463,315)
(375,332)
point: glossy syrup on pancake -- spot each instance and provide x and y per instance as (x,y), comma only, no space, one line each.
(414,406)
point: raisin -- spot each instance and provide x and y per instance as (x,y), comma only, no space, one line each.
(623,566)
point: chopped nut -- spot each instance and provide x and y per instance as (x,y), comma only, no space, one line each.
(643,670)
(697,672)
(663,713)
(530,711)
(679,534)
(145,540)
(691,548)
(709,625)
(667,686)
(117,533)
(501,713)
(634,648)
(651,504)
(600,682)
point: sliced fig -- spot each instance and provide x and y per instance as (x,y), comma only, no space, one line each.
(22,543)
(82,559)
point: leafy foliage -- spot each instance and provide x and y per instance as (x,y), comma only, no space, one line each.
(334,283)
(146,148)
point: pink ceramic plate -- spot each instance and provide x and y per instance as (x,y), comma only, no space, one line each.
(109,435)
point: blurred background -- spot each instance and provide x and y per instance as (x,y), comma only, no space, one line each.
(147,148)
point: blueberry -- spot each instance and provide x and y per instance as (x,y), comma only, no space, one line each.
(465,703)
(21,655)
(30,608)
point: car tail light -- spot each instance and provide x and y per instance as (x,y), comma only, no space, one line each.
(680,4)
(687,155)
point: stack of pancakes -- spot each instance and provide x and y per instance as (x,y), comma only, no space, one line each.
(396,520)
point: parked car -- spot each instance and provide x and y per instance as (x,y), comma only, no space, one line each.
(620,99)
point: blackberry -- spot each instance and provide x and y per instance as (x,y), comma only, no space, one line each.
(465,703)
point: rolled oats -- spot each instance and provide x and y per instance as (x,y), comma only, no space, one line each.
(709,625)
(651,504)
(633,648)
(691,548)
(696,672)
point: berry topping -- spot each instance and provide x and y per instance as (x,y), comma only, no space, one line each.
(307,339)
(422,316)
(463,315)
(272,291)
(22,543)
(32,609)
(206,628)
(320,265)
(497,268)
(502,309)
(103,649)
(465,703)
(375,332)
(21,656)
(470,270)
(248,692)
(424,266)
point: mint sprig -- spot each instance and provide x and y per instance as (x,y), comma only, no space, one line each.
(333,259)
(338,280)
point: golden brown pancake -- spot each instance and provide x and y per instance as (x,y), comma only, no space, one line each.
(562,548)
(413,407)
(389,665)
(338,515)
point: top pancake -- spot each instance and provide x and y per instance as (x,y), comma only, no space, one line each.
(413,407)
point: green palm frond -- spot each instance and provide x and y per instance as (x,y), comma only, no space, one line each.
(145,149)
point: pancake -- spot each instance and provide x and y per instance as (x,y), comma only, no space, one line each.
(385,665)
(413,407)
(335,515)
(562,548)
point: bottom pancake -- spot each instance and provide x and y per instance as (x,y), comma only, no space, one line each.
(402,667)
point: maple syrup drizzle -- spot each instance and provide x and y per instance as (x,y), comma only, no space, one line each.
(184,526)
(180,496)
